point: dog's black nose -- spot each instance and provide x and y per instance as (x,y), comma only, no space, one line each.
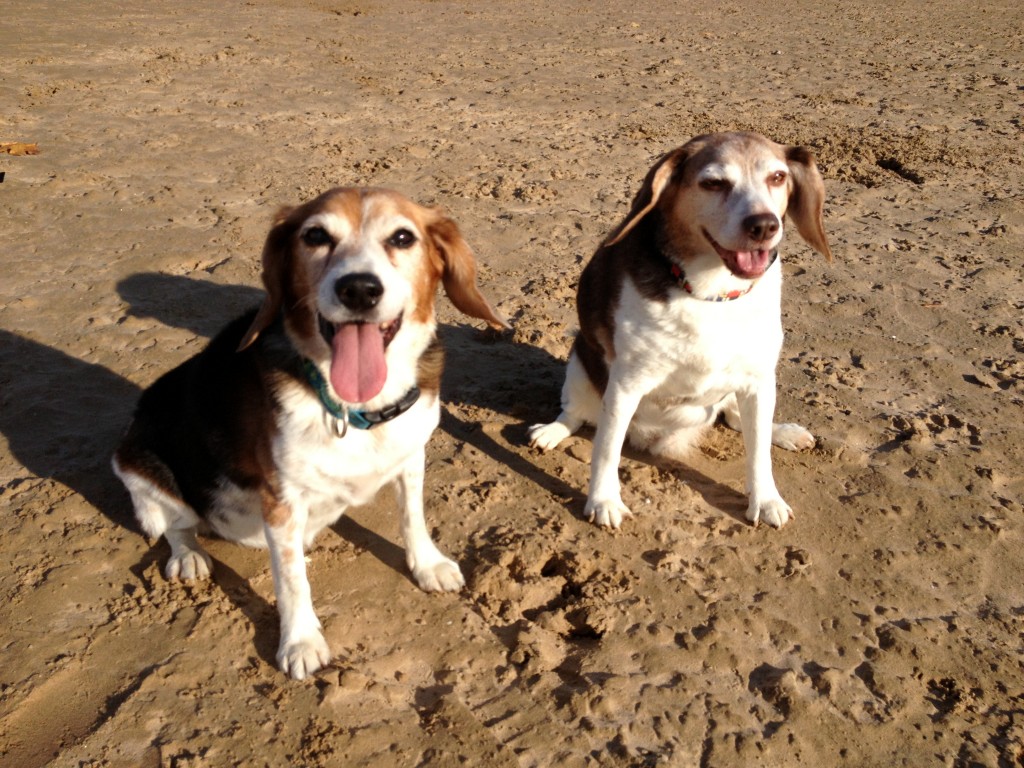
(761,226)
(359,291)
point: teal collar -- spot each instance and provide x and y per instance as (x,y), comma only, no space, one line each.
(344,417)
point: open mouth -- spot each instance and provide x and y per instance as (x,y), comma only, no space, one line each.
(387,330)
(358,366)
(745,264)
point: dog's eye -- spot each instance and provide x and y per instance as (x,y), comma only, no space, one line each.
(402,238)
(315,237)
(715,185)
(777,179)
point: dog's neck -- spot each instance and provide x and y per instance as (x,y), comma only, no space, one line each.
(653,240)
(680,277)
(344,417)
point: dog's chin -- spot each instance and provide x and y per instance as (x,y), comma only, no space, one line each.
(746,265)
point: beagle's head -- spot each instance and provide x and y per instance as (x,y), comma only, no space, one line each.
(723,198)
(354,275)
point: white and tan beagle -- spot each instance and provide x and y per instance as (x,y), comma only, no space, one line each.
(311,403)
(679,314)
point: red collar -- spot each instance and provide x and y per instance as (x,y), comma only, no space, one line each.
(680,276)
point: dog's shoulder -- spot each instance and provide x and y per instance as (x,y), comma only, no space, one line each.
(221,375)
(638,258)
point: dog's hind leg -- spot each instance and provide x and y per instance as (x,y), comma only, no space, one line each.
(581,405)
(790,437)
(161,513)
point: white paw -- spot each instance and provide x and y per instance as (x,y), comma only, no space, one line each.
(792,437)
(190,564)
(303,657)
(547,436)
(607,513)
(774,512)
(440,576)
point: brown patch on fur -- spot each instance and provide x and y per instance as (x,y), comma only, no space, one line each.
(275,512)
(428,276)
(430,367)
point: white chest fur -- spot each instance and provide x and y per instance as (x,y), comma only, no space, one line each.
(320,469)
(321,474)
(688,350)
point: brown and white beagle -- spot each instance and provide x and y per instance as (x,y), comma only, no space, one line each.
(310,403)
(680,319)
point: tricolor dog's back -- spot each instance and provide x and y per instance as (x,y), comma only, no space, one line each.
(679,314)
(310,403)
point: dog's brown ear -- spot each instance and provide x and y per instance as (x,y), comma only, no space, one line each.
(655,182)
(807,199)
(276,255)
(458,273)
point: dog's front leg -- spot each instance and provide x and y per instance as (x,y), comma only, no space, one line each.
(604,501)
(432,570)
(756,411)
(302,650)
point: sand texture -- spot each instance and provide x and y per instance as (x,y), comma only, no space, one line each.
(882,627)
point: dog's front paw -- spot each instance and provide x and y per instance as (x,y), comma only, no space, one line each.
(774,512)
(189,564)
(607,513)
(442,575)
(302,657)
(792,437)
(547,436)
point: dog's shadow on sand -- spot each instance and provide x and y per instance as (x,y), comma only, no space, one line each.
(493,372)
(62,417)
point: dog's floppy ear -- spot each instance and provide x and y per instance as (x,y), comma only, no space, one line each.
(650,191)
(276,255)
(807,199)
(458,273)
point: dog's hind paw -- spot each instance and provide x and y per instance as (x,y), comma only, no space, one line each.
(774,512)
(547,436)
(301,658)
(792,437)
(189,564)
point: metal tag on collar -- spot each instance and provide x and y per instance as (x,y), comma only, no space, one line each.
(342,430)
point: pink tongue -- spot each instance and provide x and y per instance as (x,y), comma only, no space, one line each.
(752,263)
(358,369)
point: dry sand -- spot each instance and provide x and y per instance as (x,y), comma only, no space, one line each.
(882,627)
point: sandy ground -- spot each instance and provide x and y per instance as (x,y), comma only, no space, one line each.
(882,627)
